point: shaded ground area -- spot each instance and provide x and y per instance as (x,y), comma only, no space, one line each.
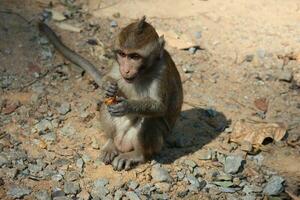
(248,68)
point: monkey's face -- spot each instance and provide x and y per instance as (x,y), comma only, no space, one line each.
(130,64)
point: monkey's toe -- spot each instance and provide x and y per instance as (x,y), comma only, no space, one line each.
(108,156)
(127,161)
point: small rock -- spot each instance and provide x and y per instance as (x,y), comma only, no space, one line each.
(72,176)
(57,16)
(163,187)
(285,76)
(198,35)
(190,163)
(133,185)
(261,53)
(258,159)
(84,195)
(67,130)
(132,196)
(50,137)
(64,108)
(117,15)
(192,50)
(204,155)
(249,58)
(100,183)
(119,194)
(246,146)
(193,180)
(68,27)
(160,174)
(188,69)
(233,164)
(12,173)
(79,163)
(180,175)
(113,24)
(95,143)
(43,126)
(57,192)
(197,172)
(274,186)
(42,195)
(86,158)
(4,160)
(18,192)
(182,194)
(57,177)
(71,188)
(224,184)
(99,192)
(249,197)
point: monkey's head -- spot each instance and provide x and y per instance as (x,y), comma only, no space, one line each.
(137,48)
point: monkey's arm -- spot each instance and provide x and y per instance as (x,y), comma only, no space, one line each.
(146,107)
(71,55)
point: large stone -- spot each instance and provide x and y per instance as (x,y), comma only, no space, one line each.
(233,164)
(274,186)
(160,174)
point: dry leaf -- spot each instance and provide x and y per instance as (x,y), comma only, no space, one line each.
(257,133)
(178,41)
(261,104)
(68,27)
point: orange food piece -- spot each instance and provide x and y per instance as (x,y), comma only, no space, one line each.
(110,100)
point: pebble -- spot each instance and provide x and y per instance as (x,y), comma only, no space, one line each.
(160,174)
(133,185)
(182,194)
(64,108)
(50,137)
(249,197)
(84,195)
(198,35)
(18,192)
(67,130)
(190,163)
(163,187)
(285,76)
(71,188)
(233,164)
(118,194)
(57,192)
(72,176)
(249,58)
(34,168)
(192,50)
(43,125)
(204,155)
(4,160)
(57,177)
(100,183)
(42,195)
(99,192)
(79,163)
(188,69)
(193,180)
(132,195)
(274,186)
(258,159)
(95,143)
(113,24)
(197,172)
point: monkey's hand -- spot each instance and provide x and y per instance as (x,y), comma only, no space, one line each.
(111,89)
(119,109)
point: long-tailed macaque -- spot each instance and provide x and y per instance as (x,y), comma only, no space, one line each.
(148,92)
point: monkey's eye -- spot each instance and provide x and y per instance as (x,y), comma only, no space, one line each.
(135,56)
(121,53)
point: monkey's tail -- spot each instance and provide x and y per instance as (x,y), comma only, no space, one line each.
(69,54)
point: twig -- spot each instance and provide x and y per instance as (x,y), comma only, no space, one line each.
(39,78)
(13,13)
(293,196)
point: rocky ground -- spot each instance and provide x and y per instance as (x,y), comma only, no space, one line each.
(50,135)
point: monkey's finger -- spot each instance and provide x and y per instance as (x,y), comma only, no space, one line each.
(121,164)
(128,165)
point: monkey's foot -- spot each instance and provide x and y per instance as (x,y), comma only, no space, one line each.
(109,152)
(127,160)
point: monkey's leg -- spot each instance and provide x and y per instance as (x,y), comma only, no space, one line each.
(109,150)
(147,142)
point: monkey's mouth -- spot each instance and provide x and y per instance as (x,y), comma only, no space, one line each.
(129,80)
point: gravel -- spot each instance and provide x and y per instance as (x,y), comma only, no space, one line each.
(64,108)
(42,195)
(71,188)
(18,192)
(160,174)
(274,186)
(233,164)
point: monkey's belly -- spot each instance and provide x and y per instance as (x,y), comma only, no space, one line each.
(127,129)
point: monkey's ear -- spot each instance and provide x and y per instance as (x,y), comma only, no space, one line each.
(161,41)
(140,26)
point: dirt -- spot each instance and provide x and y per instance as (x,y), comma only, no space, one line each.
(242,57)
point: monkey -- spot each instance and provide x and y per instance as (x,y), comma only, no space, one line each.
(148,91)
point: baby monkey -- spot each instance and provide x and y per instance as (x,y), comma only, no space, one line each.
(147,92)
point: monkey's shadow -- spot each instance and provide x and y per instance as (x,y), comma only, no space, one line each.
(194,128)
